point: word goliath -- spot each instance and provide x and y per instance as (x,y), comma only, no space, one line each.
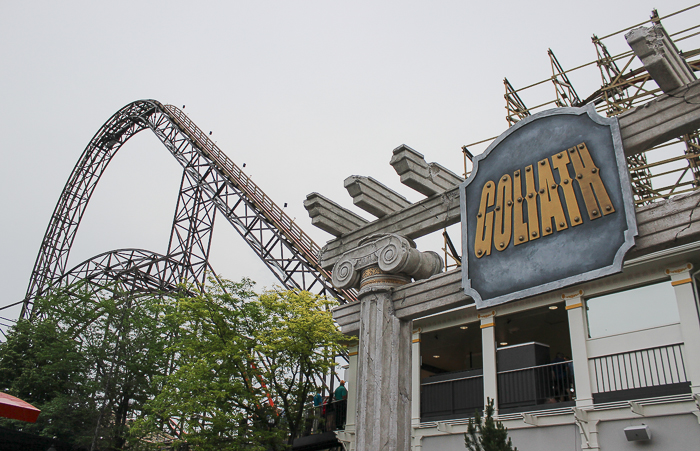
(506,215)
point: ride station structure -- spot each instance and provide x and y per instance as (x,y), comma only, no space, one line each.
(573,304)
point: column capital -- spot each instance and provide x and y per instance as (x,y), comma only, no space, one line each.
(384,254)
(488,319)
(573,299)
(680,274)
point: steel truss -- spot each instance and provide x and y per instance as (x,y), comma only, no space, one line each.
(210,182)
(654,176)
(141,270)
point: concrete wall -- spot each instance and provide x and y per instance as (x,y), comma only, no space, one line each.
(553,438)
(669,433)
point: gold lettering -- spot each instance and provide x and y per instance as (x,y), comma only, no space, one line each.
(484,221)
(493,228)
(504,215)
(520,234)
(560,162)
(531,199)
(550,203)
(588,178)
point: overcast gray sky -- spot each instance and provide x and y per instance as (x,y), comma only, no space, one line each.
(305,93)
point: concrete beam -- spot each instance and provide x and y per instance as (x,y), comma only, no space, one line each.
(667,224)
(331,217)
(667,117)
(658,121)
(437,294)
(659,54)
(373,197)
(417,300)
(426,178)
(641,128)
(661,225)
(415,221)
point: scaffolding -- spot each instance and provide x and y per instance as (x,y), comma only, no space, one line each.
(658,173)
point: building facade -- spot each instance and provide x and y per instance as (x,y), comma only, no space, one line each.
(608,362)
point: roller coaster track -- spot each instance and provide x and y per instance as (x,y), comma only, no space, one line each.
(211,182)
(136,270)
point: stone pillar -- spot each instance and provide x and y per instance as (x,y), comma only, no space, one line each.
(384,402)
(488,349)
(578,332)
(682,282)
(379,264)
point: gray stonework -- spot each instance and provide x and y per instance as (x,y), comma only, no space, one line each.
(384,361)
(426,178)
(377,266)
(665,118)
(419,219)
(662,225)
(641,128)
(390,254)
(373,197)
(331,217)
(659,54)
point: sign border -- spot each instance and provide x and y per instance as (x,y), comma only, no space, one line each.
(627,197)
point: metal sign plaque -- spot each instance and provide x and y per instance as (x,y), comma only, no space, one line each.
(549,204)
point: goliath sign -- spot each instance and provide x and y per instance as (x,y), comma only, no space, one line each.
(548,205)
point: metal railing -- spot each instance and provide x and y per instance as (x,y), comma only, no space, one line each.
(644,368)
(246,184)
(329,416)
(453,397)
(542,384)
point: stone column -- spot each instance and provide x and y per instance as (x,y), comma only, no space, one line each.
(488,349)
(379,264)
(682,282)
(578,332)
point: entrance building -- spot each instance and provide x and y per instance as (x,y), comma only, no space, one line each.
(605,359)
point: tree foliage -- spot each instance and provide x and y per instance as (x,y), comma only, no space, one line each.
(42,365)
(89,360)
(220,369)
(489,435)
(247,364)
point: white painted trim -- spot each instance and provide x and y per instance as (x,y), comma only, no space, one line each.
(671,252)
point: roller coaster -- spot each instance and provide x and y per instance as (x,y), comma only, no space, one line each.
(210,183)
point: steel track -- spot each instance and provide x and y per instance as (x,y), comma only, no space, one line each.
(210,182)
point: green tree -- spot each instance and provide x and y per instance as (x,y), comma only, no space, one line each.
(89,359)
(247,364)
(489,435)
(42,365)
